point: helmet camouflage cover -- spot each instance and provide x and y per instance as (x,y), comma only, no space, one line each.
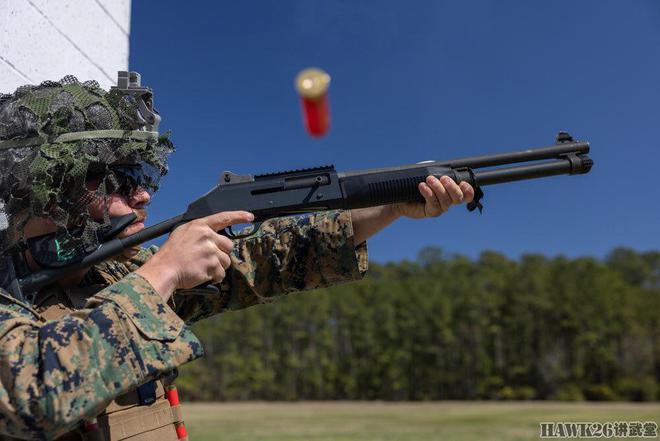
(55,136)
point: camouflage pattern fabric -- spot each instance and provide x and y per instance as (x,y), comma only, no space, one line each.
(292,254)
(55,373)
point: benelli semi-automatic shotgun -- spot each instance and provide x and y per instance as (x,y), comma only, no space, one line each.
(323,188)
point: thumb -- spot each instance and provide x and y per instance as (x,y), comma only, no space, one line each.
(221,220)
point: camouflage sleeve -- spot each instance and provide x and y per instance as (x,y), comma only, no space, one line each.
(54,373)
(285,255)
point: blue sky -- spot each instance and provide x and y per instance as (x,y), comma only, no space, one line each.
(419,80)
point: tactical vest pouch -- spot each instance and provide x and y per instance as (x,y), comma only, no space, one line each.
(140,423)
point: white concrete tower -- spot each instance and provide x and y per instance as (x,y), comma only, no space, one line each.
(47,39)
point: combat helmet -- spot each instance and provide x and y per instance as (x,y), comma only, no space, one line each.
(56,136)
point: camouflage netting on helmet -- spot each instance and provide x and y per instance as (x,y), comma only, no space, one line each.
(47,178)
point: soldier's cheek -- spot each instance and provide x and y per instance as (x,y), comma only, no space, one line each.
(114,204)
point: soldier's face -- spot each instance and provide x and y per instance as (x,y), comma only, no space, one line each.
(114,204)
(120,205)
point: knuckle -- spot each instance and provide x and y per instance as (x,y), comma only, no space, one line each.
(204,265)
(207,233)
(210,246)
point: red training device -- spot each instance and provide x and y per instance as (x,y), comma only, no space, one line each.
(172,395)
(181,431)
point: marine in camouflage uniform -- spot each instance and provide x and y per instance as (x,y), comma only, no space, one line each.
(80,352)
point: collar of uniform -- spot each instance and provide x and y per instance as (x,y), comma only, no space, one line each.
(105,273)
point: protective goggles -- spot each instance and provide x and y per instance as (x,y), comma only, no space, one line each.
(126,179)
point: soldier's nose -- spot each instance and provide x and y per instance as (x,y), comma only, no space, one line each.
(139,198)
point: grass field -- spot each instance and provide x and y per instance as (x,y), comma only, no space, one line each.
(374,421)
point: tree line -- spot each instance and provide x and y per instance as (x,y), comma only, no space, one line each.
(447,327)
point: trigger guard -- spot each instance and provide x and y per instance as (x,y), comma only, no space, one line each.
(229,231)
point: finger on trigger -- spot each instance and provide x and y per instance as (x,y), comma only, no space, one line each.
(221,220)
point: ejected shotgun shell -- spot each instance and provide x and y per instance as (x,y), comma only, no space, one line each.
(312,86)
